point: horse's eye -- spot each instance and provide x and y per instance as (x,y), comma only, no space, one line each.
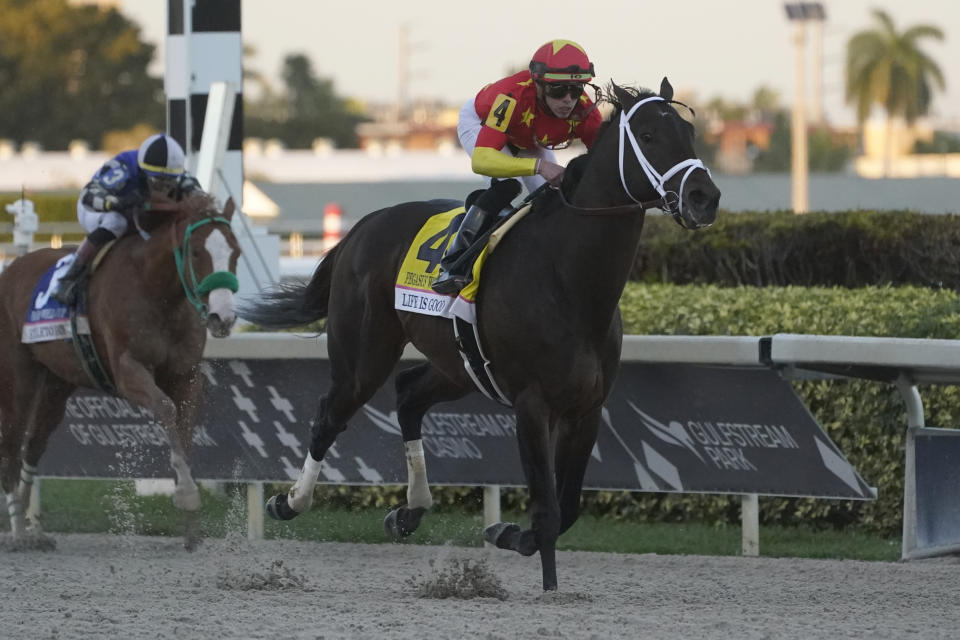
(646,137)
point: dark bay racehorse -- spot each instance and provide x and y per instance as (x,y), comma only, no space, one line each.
(547,313)
(150,304)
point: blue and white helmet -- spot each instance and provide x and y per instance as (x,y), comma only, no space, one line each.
(161,156)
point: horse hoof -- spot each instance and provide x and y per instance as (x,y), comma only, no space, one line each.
(401,522)
(502,534)
(278,509)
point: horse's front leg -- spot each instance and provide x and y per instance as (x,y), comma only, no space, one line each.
(418,389)
(574,445)
(137,384)
(533,435)
(185,389)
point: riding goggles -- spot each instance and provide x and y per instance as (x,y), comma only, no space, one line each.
(558,91)
(162,185)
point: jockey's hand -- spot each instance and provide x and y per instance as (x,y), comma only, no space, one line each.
(551,172)
(111,203)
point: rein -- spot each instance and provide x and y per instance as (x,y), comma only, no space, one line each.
(664,203)
(216,280)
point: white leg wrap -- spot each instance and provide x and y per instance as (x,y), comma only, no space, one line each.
(22,492)
(186,496)
(418,489)
(16,509)
(300,497)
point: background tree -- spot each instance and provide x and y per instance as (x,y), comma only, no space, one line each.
(308,109)
(887,68)
(73,72)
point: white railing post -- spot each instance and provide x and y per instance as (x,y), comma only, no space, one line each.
(255,511)
(750,524)
(915,420)
(491,507)
(33,511)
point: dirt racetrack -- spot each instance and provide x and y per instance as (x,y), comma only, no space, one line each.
(129,587)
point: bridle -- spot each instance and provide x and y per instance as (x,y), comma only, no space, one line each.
(218,279)
(672,201)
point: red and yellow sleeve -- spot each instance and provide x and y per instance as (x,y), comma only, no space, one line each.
(487,158)
(496,164)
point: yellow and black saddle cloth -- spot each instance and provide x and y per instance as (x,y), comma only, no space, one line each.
(421,266)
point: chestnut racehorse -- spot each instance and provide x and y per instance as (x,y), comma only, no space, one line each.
(150,304)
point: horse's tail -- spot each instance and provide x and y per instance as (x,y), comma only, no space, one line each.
(294,305)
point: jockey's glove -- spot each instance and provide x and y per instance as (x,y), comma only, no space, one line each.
(116,203)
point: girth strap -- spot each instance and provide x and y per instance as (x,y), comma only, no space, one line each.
(85,348)
(475,361)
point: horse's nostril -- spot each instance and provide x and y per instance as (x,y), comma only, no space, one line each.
(703,200)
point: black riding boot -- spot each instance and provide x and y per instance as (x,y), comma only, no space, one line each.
(70,282)
(458,261)
(455,273)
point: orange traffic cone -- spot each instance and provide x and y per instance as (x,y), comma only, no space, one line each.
(332,225)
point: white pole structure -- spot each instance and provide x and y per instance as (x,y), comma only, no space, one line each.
(799,161)
(213,143)
(204,46)
(816,86)
(204,58)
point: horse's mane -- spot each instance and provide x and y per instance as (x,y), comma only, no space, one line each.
(610,97)
(195,206)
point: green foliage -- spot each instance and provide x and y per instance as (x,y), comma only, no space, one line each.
(888,68)
(309,108)
(850,249)
(826,155)
(943,142)
(50,207)
(72,71)
(776,157)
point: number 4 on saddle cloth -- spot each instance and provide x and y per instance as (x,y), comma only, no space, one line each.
(420,268)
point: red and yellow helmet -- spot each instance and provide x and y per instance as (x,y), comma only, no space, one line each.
(561,61)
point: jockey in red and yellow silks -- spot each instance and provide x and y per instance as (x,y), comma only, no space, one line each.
(515,117)
(509,130)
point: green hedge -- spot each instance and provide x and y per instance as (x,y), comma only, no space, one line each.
(50,207)
(849,249)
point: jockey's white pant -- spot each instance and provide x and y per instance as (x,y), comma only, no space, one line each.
(110,220)
(468,128)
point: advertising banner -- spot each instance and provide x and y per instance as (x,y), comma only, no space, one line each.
(666,428)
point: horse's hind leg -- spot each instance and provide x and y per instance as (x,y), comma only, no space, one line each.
(31,409)
(361,359)
(418,389)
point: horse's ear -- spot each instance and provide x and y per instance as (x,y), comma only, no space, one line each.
(623,97)
(228,209)
(666,90)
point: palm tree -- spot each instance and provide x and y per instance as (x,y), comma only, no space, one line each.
(888,68)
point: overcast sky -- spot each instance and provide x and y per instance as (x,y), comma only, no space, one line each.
(709,47)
